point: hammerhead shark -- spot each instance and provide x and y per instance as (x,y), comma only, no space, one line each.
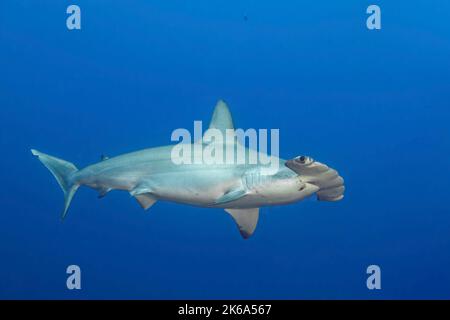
(241,189)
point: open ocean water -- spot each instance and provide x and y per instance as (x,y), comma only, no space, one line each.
(374,104)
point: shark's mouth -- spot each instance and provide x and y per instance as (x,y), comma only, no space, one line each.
(330,183)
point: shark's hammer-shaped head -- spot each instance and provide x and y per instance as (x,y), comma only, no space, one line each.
(330,183)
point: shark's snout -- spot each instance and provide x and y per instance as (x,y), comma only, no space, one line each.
(330,183)
(331,186)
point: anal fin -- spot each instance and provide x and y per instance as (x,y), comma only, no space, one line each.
(102,192)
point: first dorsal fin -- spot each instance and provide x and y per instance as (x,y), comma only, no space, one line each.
(221,118)
(246,220)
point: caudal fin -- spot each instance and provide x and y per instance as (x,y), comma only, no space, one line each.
(62,170)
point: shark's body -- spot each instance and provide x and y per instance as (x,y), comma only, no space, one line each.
(241,189)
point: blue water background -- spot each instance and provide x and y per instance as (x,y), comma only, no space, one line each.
(372,104)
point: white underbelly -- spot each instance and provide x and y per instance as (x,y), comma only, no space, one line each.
(200,189)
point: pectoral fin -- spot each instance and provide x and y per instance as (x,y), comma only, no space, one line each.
(246,220)
(146,200)
(232,195)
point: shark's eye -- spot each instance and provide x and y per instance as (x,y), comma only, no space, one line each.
(301,159)
(304,160)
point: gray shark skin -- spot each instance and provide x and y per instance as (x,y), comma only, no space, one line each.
(150,175)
